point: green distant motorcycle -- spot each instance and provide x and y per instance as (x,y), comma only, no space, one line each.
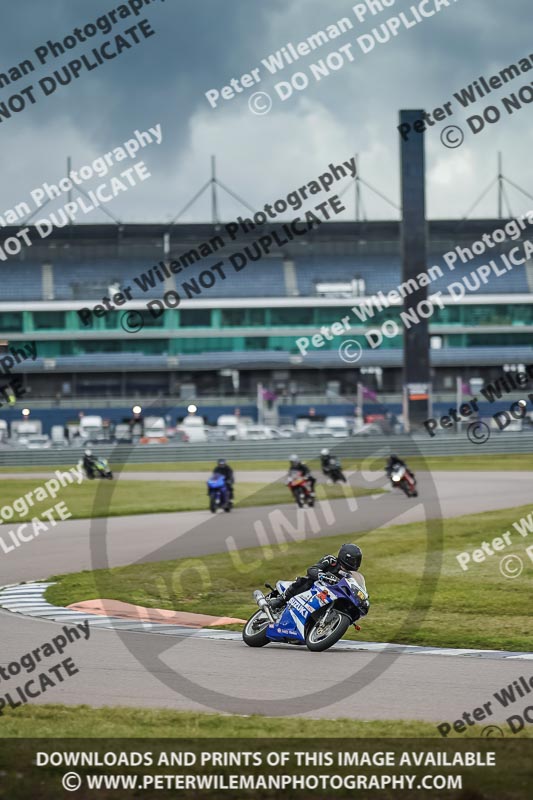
(100,469)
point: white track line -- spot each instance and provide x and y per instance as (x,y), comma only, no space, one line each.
(28,600)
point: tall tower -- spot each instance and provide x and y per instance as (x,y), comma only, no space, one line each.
(416,366)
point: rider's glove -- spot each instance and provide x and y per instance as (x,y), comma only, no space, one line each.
(327,577)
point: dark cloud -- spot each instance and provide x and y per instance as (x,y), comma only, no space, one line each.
(202,45)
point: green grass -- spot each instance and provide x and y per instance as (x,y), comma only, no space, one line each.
(161,466)
(54,721)
(55,729)
(415,600)
(501,462)
(111,499)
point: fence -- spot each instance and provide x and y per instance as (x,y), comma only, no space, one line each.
(272,450)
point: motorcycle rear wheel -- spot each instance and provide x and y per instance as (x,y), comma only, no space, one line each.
(252,634)
(318,640)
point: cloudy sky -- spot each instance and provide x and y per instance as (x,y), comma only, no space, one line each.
(202,44)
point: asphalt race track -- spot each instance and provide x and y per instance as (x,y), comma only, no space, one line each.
(154,670)
(80,544)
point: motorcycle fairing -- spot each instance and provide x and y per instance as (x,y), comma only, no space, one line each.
(216,482)
(291,624)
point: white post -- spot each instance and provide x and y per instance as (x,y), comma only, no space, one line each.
(405,402)
(360,401)
(458,399)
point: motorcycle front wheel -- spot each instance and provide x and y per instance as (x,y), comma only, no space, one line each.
(254,632)
(320,636)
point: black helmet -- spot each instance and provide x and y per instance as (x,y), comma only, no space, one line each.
(394,457)
(350,556)
(221,462)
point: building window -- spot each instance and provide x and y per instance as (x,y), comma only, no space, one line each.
(11,322)
(49,320)
(193,318)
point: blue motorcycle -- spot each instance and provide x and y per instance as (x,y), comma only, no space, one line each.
(219,495)
(317,618)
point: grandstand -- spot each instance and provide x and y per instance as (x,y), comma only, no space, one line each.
(250,321)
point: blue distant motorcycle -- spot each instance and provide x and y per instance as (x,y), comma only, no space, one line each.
(317,618)
(219,495)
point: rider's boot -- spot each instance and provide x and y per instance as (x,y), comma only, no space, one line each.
(278,602)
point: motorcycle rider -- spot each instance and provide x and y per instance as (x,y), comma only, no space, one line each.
(348,560)
(89,463)
(301,466)
(223,468)
(325,460)
(393,462)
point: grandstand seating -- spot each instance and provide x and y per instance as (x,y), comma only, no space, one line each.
(91,280)
(258,279)
(513,282)
(378,272)
(254,316)
(21,281)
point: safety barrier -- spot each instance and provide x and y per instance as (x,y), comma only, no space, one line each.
(279,449)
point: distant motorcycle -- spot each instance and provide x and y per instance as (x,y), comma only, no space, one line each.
(317,618)
(404,480)
(101,469)
(219,496)
(300,488)
(333,471)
